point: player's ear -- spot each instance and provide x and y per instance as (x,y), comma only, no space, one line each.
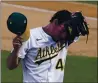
(56,21)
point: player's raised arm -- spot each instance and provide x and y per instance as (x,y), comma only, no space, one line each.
(13,60)
(17,24)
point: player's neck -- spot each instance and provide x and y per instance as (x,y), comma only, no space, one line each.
(49,30)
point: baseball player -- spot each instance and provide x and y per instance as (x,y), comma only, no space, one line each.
(43,54)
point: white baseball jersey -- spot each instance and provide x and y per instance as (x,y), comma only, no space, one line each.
(43,59)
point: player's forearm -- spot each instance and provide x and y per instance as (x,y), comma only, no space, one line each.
(12,60)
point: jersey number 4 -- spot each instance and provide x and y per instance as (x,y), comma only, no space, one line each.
(59,64)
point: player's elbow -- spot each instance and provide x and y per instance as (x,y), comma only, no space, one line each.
(10,68)
(11,64)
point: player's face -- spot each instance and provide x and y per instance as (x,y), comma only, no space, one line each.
(60,33)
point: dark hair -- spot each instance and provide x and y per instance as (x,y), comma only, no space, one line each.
(62,16)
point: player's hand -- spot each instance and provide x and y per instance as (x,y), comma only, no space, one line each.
(17,42)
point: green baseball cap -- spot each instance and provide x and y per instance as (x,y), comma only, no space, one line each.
(17,23)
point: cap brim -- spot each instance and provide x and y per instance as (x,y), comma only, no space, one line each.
(26,34)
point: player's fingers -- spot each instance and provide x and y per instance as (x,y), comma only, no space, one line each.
(16,43)
(17,38)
